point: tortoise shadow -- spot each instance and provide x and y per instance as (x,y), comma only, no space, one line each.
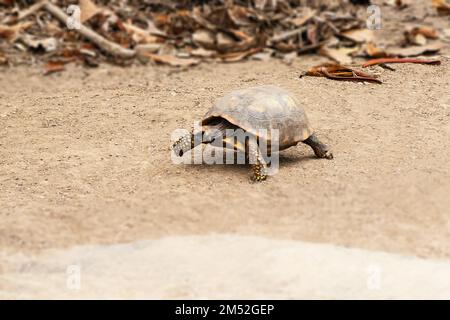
(285,161)
(290,160)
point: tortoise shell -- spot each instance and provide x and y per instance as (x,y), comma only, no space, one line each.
(264,107)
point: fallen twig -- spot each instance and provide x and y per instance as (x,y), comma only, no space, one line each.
(32,9)
(25,13)
(110,47)
(398,60)
(288,34)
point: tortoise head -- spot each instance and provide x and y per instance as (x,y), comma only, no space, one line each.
(187,142)
(183,145)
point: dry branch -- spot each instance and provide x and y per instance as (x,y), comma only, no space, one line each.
(374,62)
(110,47)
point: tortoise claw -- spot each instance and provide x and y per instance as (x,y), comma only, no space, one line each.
(259,172)
(328,155)
(259,178)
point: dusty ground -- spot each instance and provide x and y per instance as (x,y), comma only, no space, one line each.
(85,159)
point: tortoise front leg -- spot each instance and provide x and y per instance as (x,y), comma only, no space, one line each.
(259,165)
(259,171)
(321,150)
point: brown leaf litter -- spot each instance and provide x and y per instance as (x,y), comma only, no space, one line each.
(185,33)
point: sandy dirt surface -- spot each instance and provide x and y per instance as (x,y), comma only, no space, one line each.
(84,158)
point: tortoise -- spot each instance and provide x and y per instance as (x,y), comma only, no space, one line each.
(251,109)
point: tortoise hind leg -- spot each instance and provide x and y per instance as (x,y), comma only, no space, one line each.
(321,150)
(256,159)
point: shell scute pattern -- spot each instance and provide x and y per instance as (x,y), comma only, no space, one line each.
(265,107)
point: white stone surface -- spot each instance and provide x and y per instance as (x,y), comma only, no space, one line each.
(222,267)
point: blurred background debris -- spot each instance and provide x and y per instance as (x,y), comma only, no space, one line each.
(184,33)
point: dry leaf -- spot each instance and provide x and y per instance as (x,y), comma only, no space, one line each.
(427,32)
(88,10)
(11,33)
(225,42)
(3,58)
(139,35)
(306,14)
(172,60)
(338,72)
(260,4)
(340,55)
(204,38)
(241,35)
(233,29)
(416,50)
(53,66)
(152,29)
(7,2)
(419,34)
(359,35)
(420,40)
(373,51)
(442,6)
(200,52)
(52,29)
(149,47)
(238,56)
(240,15)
